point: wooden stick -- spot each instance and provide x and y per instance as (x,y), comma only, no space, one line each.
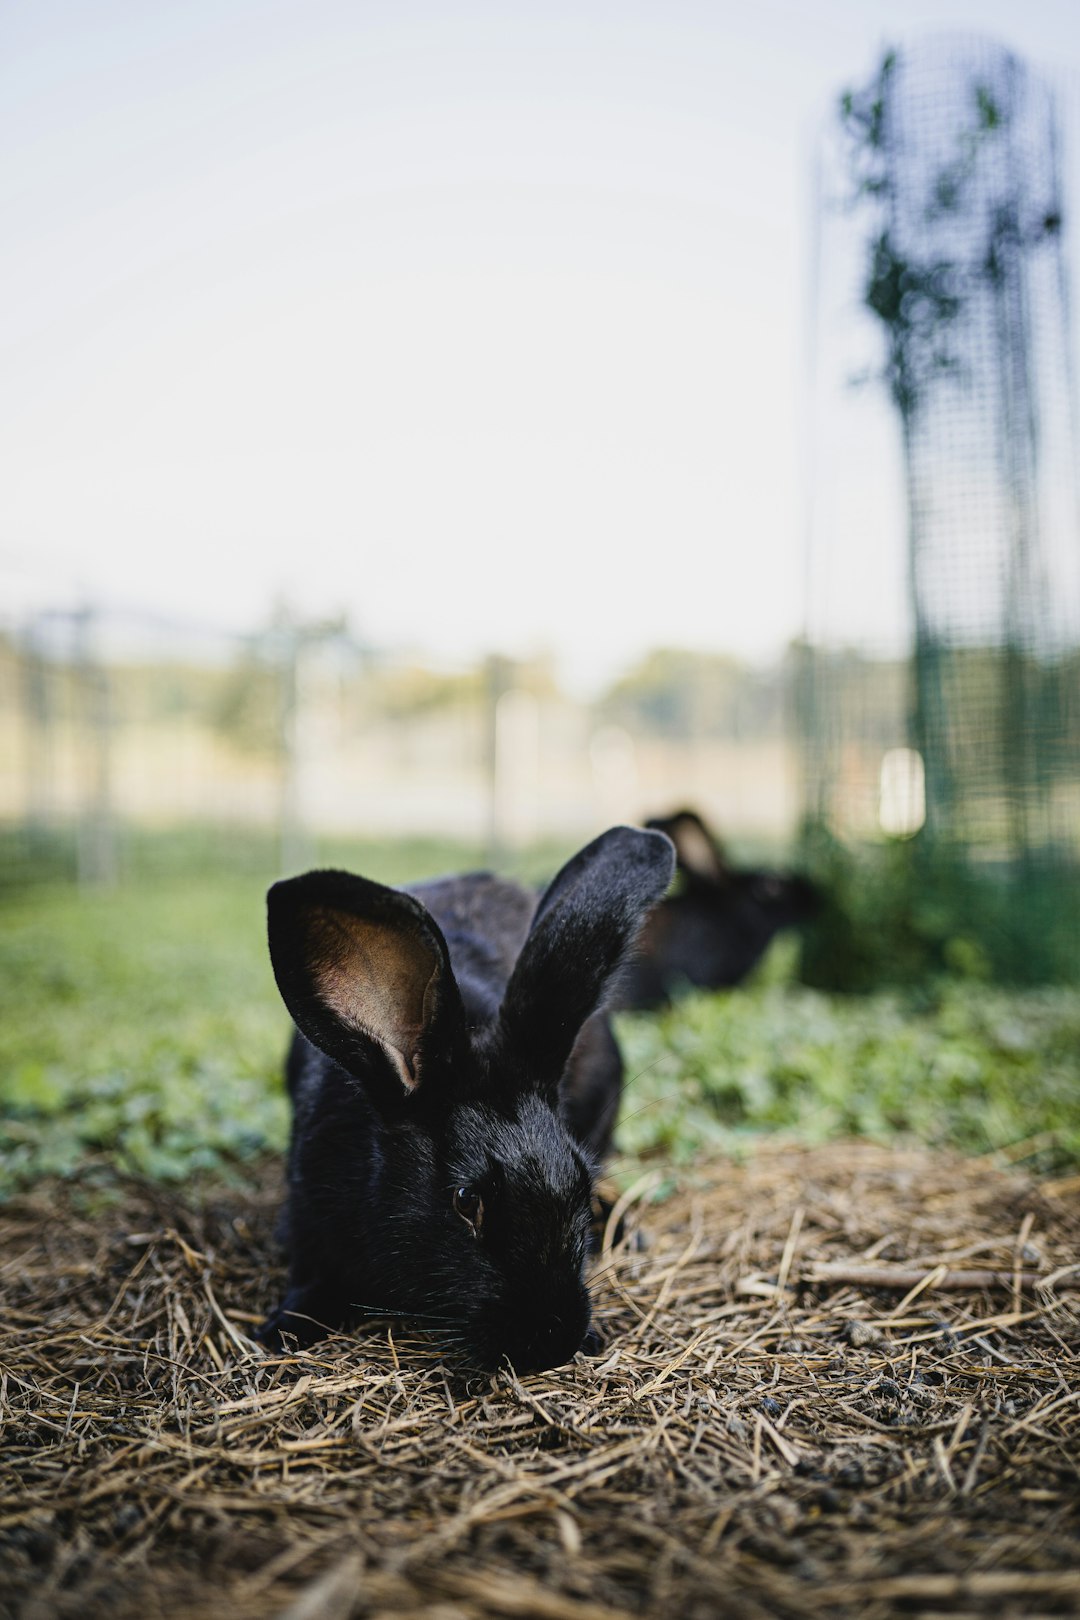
(899,1278)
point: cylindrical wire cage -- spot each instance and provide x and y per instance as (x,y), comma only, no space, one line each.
(943,638)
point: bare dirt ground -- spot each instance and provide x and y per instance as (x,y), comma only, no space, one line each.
(836,1381)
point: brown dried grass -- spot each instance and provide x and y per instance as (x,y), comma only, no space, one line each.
(763,1436)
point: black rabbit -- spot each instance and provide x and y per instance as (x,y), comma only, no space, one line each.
(454,1086)
(716,925)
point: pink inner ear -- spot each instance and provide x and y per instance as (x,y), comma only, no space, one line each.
(379,980)
(696,851)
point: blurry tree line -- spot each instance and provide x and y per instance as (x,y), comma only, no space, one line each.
(304,726)
(244,700)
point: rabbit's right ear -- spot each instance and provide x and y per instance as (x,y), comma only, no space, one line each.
(699,852)
(582,930)
(364,971)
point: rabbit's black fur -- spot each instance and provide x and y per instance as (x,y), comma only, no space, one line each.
(718,923)
(453,1086)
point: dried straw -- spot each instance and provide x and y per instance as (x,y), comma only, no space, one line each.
(835,1381)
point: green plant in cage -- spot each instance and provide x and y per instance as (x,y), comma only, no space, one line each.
(952,180)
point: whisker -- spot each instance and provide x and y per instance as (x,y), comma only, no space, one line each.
(650,1104)
(641,1072)
(402,1313)
(600,1276)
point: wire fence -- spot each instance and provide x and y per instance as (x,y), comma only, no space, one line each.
(123,733)
(941,701)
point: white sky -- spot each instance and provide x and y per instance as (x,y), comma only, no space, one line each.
(482,322)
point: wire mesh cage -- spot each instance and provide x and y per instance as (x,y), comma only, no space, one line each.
(940,703)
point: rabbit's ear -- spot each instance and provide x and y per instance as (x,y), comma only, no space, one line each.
(587,920)
(699,852)
(362,966)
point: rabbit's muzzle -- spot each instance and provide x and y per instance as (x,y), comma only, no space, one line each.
(550,1333)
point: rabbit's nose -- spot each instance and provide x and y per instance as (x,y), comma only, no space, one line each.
(545,1352)
(551,1343)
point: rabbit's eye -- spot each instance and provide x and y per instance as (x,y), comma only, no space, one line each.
(470,1206)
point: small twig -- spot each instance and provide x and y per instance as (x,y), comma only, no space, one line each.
(897,1277)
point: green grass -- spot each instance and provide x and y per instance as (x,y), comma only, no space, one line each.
(141,1027)
(900,912)
(141,1030)
(143,1024)
(962,1065)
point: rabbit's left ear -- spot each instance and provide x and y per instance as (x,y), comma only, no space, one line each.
(699,852)
(586,922)
(366,974)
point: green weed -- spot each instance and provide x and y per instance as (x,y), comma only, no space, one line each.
(142,1030)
